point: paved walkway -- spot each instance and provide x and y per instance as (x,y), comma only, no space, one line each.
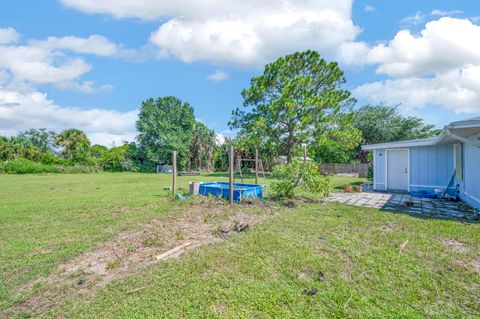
(428,207)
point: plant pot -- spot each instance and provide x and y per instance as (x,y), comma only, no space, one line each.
(348,188)
(359,189)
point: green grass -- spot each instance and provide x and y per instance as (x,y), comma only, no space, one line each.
(45,220)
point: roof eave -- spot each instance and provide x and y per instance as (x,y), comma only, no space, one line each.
(414,143)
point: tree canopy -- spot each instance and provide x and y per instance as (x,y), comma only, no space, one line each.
(74,143)
(42,139)
(287,104)
(383,123)
(167,124)
(202,148)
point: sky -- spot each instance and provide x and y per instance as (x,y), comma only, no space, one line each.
(89,64)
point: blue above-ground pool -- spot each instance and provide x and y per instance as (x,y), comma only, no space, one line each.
(240,191)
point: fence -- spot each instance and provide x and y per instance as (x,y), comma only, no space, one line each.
(360,169)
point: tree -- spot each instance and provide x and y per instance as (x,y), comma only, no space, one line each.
(336,140)
(97,151)
(295,95)
(166,125)
(299,174)
(203,147)
(74,143)
(42,139)
(16,147)
(382,124)
(115,159)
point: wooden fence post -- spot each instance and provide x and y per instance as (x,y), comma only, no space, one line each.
(174,171)
(231,176)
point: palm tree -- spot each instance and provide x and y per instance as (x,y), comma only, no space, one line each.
(72,140)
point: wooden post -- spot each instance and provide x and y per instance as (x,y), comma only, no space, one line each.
(231,176)
(304,153)
(174,171)
(256,166)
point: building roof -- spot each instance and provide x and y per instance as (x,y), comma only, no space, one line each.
(400,144)
(467,121)
(451,133)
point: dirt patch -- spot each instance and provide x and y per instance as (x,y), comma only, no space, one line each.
(456,245)
(470,266)
(476,265)
(195,224)
(391,227)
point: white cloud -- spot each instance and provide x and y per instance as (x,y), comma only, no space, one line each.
(474,19)
(220,138)
(94,44)
(8,35)
(85,87)
(45,62)
(21,111)
(413,20)
(353,53)
(23,67)
(218,76)
(245,33)
(438,66)
(40,66)
(443,45)
(442,13)
(456,91)
(369,8)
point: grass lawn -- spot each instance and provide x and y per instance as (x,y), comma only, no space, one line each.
(351,255)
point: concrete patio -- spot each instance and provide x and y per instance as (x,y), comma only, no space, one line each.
(405,203)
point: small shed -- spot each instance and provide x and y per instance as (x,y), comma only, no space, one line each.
(448,163)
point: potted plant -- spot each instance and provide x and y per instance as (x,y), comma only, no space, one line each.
(359,189)
(348,188)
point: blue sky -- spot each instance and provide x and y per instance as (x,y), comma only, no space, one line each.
(89,64)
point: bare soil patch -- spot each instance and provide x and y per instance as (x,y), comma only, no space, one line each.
(476,265)
(197,223)
(473,266)
(456,245)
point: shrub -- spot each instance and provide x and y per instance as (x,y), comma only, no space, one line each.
(23,166)
(299,174)
(115,160)
(50,159)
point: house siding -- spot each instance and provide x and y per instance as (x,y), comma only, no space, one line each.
(471,186)
(379,170)
(431,167)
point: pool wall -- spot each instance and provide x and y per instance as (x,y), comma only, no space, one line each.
(240,191)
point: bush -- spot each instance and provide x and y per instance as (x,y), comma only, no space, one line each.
(299,174)
(23,166)
(115,160)
(50,159)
